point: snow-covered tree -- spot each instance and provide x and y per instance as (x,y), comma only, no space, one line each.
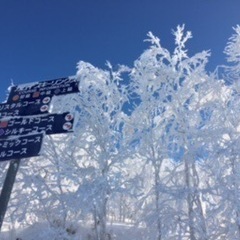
(101,147)
(155,145)
(177,98)
(226,166)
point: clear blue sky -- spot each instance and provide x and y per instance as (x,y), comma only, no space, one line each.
(44,39)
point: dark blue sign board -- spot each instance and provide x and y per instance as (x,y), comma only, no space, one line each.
(20,147)
(26,100)
(49,124)
(25,108)
(42,89)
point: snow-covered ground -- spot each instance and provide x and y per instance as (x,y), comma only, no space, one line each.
(42,231)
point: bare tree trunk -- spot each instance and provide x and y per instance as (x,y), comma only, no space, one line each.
(189,200)
(157,163)
(100,218)
(96,222)
(157,202)
(236,199)
(100,222)
(202,224)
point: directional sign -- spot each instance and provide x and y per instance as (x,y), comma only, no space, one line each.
(50,124)
(29,100)
(26,107)
(50,88)
(21,147)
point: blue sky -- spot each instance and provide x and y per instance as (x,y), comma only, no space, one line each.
(44,39)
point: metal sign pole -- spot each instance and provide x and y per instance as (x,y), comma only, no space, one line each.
(7,188)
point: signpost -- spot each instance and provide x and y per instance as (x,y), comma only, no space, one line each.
(25,108)
(20,147)
(49,124)
(24,120)
(60,86)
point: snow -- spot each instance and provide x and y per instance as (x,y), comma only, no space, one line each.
(167,170)
(84,231)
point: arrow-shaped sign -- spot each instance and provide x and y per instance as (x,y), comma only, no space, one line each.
(20,147)
(50,124)
(50,88)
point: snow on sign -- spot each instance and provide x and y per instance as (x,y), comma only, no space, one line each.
(50,88)
(26,107)
(49,124)
(20,147)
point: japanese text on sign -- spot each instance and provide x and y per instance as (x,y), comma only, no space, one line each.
(33,107)
(21,147)
(50,124)
(40,89)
